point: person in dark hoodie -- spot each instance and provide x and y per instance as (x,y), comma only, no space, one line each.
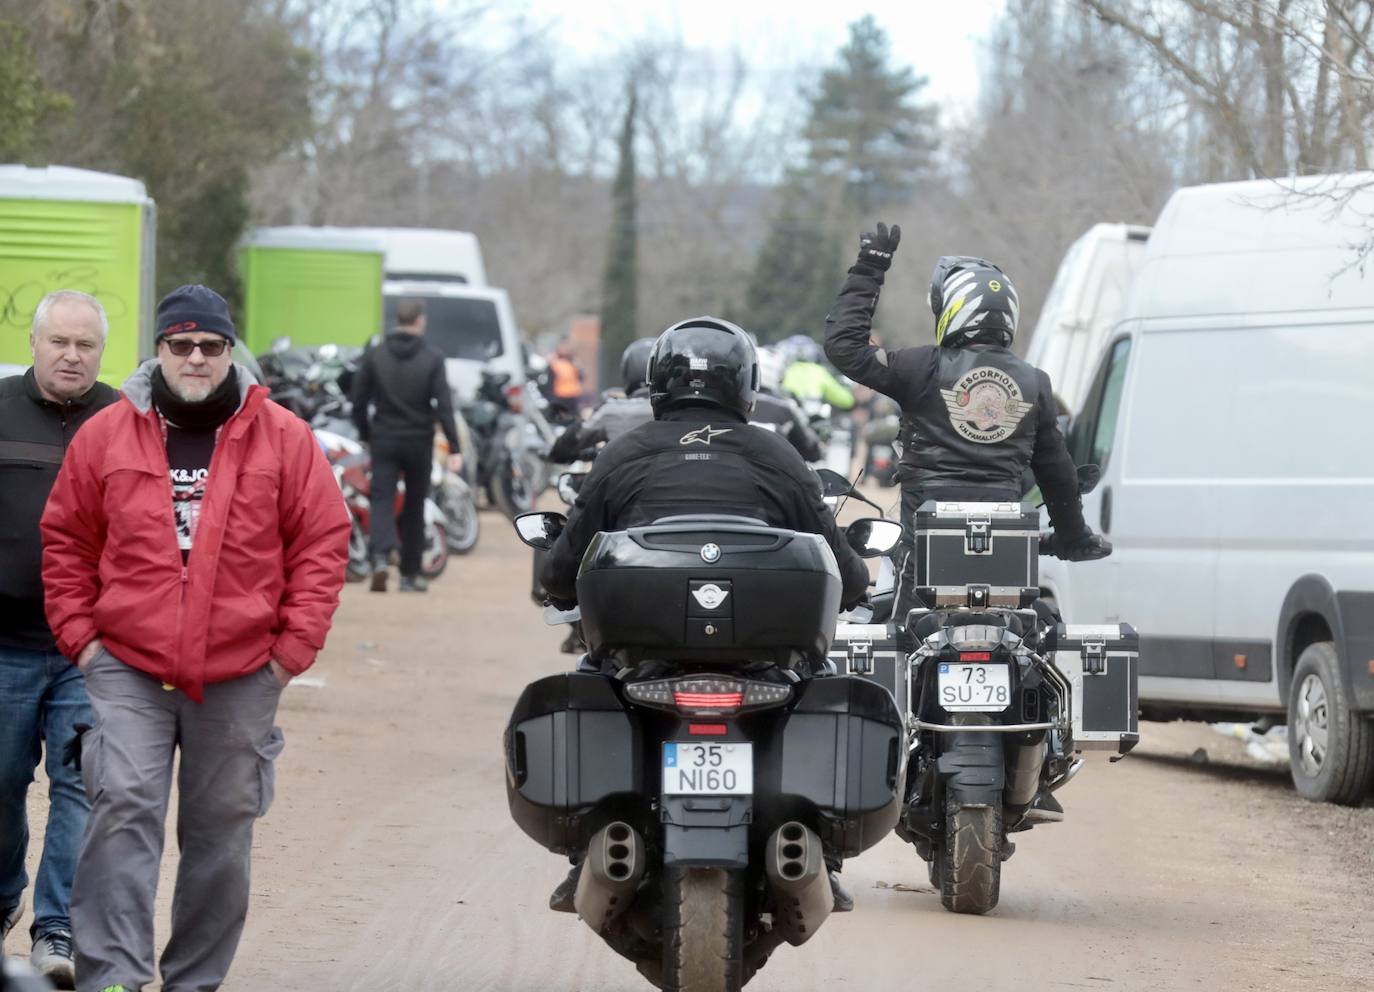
(399,392)
(42,695)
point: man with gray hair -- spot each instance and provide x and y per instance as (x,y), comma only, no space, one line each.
(42,694)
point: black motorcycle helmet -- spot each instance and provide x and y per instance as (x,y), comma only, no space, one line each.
(973,301)
(634,364)
(703,360)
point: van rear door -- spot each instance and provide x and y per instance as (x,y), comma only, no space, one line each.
(473,326)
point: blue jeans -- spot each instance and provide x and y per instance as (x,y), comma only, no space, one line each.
(42,697)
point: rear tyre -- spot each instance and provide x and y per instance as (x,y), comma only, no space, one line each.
(703,932)
(359,567)
(463,524)
(970,863)
(1330,746)
(511,492)
(434,558)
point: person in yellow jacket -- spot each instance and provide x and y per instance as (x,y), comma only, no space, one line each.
(811,382)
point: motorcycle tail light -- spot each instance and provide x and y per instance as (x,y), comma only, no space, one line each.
(515,399)
(704,696)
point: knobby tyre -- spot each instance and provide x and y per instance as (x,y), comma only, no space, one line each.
(703,930)
(970,864)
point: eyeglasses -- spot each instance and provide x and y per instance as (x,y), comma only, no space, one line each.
(210,349)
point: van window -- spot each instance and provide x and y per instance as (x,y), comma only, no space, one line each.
(1090,440)
(458,327)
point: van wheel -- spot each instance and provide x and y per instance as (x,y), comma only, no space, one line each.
(1330,746)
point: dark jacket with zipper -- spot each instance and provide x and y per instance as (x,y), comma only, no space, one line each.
(403,380)
(34,434)
(973,418)
(697,460)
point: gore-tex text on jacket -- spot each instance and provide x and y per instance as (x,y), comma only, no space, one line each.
(271,545)
(34,435)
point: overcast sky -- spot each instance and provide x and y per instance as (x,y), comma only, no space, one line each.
(937,38)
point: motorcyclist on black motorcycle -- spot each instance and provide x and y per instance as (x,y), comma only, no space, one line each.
(617,414)
(974,415)
(699,455)
(778,411)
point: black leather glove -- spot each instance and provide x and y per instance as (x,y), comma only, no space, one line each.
(1088,547)
(71,751)
(875,249)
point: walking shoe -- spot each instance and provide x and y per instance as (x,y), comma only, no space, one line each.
(379,571)
(414,583)
(53,957)
(8,919)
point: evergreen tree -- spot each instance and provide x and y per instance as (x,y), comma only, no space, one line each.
(620,291)
(797,271)
(866,131)
(27,103)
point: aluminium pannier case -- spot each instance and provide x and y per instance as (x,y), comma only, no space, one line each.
(870,651)
(1101,662)
(977,554)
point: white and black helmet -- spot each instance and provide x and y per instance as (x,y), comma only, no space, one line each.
(973,301)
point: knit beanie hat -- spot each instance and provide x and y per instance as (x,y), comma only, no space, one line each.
(193,308)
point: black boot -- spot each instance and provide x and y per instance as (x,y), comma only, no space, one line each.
(561,900)
(844,902)
(379,572)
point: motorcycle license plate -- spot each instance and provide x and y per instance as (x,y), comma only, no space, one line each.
(974,687)
(708,769)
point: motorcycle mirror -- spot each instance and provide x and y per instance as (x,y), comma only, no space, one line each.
(833,484)
(540,529)
(873,536)
(1088,478)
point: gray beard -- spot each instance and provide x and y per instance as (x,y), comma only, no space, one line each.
(185,397)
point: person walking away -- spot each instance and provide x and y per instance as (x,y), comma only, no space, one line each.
(42,695)
(974,414)
(399,392)
(194,546)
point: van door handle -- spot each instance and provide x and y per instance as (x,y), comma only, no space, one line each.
(1107,510)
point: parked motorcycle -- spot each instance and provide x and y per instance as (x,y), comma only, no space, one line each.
(1001,695)
(455,499)
(704,781)
(510,464)
(352,466)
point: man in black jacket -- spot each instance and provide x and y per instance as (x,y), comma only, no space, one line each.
(42,695)
(699,455)
(399,392)
(974,414)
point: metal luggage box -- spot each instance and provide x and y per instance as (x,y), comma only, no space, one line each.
(870,651)
(1101,662)
(977,554)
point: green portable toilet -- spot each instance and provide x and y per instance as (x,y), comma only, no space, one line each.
(314,285)
(63,228)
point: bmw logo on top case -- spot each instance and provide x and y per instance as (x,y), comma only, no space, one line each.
(710,553)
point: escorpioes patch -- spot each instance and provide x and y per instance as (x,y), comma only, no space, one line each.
(985,405)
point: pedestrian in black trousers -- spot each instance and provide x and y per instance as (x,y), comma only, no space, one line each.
(399,393)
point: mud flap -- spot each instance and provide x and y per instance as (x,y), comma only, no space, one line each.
(706,831)
(973,769)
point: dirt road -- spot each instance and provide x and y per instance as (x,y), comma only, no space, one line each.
(389,861)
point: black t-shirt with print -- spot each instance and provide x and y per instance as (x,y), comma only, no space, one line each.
(188,457)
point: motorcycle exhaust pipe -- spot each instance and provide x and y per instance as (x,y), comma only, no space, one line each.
(795,864)
(1023,777)
(610,875)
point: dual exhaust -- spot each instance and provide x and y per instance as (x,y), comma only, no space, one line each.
(793,860)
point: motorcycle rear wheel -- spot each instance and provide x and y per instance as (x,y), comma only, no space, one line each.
(703,930)
(464,525)
(434,558)
(970,862)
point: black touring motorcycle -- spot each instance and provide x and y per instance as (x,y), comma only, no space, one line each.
(1001,696)
(707,782)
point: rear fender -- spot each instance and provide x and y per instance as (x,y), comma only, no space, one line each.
(972,768)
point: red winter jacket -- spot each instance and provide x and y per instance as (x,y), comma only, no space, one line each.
(263,576)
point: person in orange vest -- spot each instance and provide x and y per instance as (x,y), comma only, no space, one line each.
(567,383)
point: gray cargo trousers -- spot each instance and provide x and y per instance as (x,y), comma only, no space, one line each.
(225,778)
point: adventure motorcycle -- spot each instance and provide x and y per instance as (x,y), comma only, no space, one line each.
(1001,695)
(703,780)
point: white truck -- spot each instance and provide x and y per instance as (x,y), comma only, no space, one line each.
(1231,414)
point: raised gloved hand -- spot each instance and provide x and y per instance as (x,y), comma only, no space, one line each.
(876,248)
(1089,547)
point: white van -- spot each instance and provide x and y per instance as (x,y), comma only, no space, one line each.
(1233,416)
(429,254)
(472,325)
(1083,305)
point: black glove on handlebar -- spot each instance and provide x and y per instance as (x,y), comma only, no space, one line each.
(1089,547)
(876,249)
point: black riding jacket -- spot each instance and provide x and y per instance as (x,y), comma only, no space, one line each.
(697,460)
(783,415)
(401,389)
(973,418)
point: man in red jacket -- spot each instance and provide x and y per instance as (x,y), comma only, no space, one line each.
(195,544)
